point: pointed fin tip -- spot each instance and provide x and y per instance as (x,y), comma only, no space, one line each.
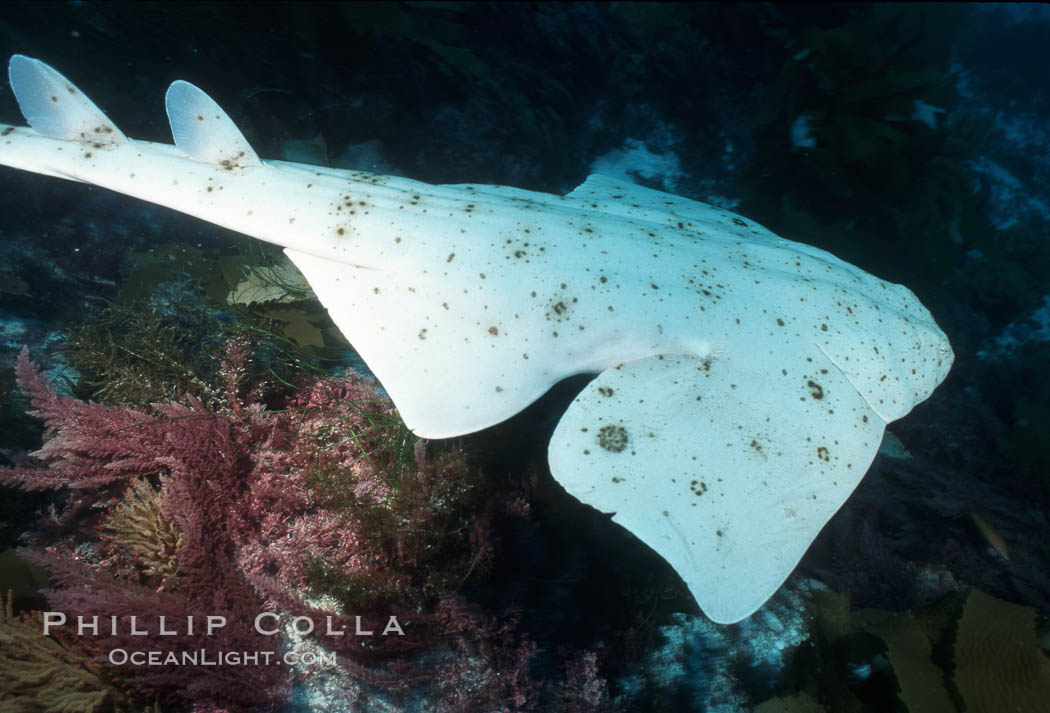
(203,130)
(54,107)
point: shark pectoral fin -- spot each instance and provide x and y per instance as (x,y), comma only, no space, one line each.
(55,108)
(203,130)
(446,375)
(630,200)
(727,470)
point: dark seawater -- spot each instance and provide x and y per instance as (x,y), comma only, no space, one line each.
(909,140)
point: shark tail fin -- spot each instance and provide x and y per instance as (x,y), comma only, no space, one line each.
(204,131)
(55,108)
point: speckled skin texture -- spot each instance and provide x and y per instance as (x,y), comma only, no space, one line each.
(745,379)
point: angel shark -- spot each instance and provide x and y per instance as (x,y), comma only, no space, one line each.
(744,380)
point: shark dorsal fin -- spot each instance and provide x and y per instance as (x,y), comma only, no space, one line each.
(57,109)
(203,130)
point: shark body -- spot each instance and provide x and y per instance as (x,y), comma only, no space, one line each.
(744,380)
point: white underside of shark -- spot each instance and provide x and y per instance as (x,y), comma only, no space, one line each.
(744,380)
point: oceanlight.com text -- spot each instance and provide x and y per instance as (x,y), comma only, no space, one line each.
(202,657)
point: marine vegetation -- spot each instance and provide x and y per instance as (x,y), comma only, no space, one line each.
(327,507)
(967,652)
(162,337)
(139,529)
(42,673)
(854,150)
(146,352)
